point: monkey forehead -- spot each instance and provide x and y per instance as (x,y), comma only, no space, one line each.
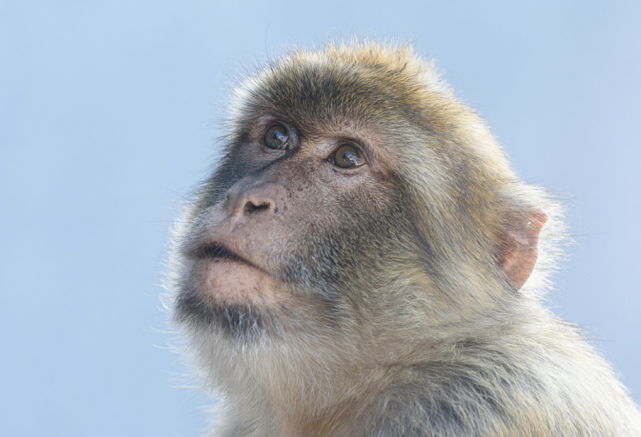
(312,86)
(385,87)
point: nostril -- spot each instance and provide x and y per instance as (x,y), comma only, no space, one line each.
(251,208)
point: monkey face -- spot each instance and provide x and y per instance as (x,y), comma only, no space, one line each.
(348,195)
(292,226)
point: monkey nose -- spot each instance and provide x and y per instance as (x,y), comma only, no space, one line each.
(253,206)
(251,202)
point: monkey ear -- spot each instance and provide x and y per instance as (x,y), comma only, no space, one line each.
(518,246)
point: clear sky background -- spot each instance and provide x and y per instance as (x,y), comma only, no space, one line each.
(109,115)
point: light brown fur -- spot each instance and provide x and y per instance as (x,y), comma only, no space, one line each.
(402,298)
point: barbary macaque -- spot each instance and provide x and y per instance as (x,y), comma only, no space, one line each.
(364,262)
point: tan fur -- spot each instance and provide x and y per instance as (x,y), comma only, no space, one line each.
(401,299)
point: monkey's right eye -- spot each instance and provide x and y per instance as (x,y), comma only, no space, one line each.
(276,137)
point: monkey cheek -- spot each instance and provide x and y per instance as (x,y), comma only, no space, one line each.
(223,281)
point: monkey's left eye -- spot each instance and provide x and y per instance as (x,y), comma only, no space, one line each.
(347,156)
(276,137)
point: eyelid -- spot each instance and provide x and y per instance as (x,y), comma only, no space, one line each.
(362,146)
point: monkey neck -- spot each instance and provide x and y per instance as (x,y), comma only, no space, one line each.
(305,393)
(299,421)
(304,388)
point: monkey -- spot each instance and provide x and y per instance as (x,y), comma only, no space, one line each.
(365,262)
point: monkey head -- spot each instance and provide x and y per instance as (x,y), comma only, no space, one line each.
(358,204)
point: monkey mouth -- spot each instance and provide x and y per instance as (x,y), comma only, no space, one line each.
(220,252)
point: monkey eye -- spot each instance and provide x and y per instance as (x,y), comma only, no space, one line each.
(347,156)
(276,137)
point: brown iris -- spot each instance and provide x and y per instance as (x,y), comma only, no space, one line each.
(276,137)
(347,156)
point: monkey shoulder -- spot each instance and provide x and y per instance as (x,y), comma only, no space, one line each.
(440,405)
(489,392)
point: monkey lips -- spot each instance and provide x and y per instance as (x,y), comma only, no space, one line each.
(221,276)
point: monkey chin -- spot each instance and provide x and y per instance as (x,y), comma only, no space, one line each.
(232,282)
(233,297)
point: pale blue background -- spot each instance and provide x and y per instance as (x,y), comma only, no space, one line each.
(108,114)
